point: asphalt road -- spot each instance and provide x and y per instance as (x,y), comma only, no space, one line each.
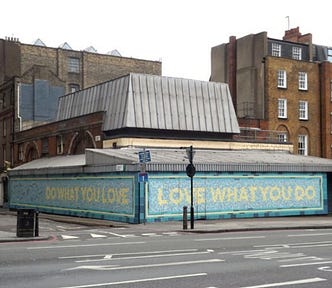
(292,258)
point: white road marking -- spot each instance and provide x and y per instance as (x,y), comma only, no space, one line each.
(151,234)
(305,264)
(125,254)
(305,258)
(93,235)
(69,228)
(309,235)
(230,238)
(296,245)
(69,237)
(84,245)
(115,234)
(112,267)
(138,280)
(296,282)
(171,233)
(241,252)
(326,268)
(274,255)
(141,257)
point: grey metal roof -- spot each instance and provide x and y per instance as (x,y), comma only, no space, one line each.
(155,102)
(53,162)
(105,160)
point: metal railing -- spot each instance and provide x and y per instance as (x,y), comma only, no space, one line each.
(259,135)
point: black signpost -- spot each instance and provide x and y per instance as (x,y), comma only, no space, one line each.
(191,170)
(143,176)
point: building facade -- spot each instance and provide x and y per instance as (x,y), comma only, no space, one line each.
(106,184)
(32,77)
(60,138)
(280,86)
(326,98)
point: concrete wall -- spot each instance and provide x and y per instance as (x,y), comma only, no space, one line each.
(251,50)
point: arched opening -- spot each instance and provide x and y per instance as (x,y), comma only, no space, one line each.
(80,142)
(31,153)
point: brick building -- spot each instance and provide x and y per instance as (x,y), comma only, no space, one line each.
(326,96)
(282,86)
(32,77)
(67,137)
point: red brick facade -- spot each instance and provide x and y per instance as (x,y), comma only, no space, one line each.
(67,137)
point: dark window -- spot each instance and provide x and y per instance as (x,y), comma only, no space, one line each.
(73,65)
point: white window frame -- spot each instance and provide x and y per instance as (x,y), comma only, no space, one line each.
(276,49)
(282,79)
(303,81)
(329,54)
(282,108)
(73,88)
(303,110)
(302,145)
(297,53)
(282,137)
(59,144)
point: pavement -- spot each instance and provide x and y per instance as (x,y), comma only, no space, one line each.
(8,225)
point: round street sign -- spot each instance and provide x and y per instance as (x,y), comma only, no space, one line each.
(190,170)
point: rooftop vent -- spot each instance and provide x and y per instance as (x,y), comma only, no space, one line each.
(65,46)
(114,53)
(39,42)
(90,49)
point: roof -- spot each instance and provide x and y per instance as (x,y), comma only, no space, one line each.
(155,102)
(106,160)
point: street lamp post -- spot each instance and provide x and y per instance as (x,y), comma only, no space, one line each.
(191,170)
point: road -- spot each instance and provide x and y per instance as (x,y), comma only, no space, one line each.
(108,257)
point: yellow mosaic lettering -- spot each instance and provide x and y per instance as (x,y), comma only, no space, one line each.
(218,195)
(199,195)
(161,200)
(175,195)
(243,194)
(275,193)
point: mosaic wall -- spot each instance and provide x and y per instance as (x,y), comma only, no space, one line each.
(120,197)
(110,197)
(236,195)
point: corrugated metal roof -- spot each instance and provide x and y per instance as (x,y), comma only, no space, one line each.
(209,156)
(176,160)
(156,102)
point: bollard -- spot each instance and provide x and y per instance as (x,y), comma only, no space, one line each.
(185,217)
(36,224)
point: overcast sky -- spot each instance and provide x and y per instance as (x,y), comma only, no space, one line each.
(180,33)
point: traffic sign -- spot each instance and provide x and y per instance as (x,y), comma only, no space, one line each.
(143,177)
(190,170)
(144,156)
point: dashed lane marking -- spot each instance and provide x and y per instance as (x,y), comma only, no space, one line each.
(69,237)
(93,235)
